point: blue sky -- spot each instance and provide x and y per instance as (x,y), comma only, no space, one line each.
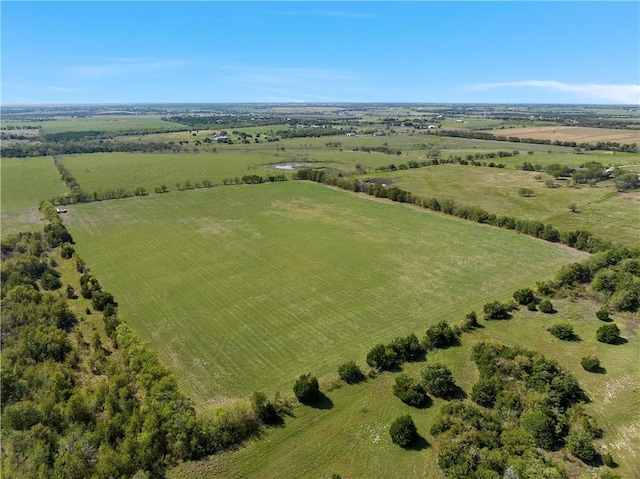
(481,52)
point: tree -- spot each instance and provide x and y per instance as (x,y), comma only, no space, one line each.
(440,335)
(608,333)
(350,372)
(382,357)
(546,306)
(438,380)
(306,389)
(408,348)
(524,296)
(562,331)
(409,391)
(496,310)
(542,428)
(603,314)
(264,409)
(403,431)
(50,279)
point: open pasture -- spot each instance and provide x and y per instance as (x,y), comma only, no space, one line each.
(25,183)
(572,133)
(601,209)
(359,420)
(99,123)
(246,287)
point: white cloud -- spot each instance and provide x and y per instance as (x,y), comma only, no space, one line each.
(119,66)
(627,94)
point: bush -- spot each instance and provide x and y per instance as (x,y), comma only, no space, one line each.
(590,363)
(440,335)
(496,310)
(562,331)
(524,296)
(579,444)
(408,348)
(306,389)
(532,306)
(438,380)
(264,409)
(403,431)
(542,428)
(546,306)
(409,391)
(608,333)
(607,460)
(50,279)
(382,357)
(603,314)
(350,373)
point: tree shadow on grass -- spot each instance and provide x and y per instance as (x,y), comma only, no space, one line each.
(418,445)
(322,402)
(599,370)
(457,393)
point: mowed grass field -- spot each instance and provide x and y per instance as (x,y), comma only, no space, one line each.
(602,210)
(572,133)
(358,421)
(25,182)
(99,123)
(244,288)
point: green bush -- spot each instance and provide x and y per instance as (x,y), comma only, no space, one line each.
(562,331)
(607,459)
(545,306)
(603,314)
(579,444)
(408,348)
(438,380)
(409,391)
(440,335)
(403,431)
(264,409)
(306,389)
(608,333)
(590,363)
(532,306)
(350,373)
(382,357)
(524,296)
(542,428)
(496,310)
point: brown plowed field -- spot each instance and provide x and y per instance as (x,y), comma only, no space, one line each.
(572,133)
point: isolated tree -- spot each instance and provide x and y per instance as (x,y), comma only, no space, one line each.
(603,314)
(409,391)
(608,333)
(562,331)
(403,431)
(350,373)
(306,389)
(546,306)
(590,363)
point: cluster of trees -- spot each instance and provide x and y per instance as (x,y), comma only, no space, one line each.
(469,159)
(579,239)
(483,135)
(254,179)
(79,407)
(524,402)
(53,148)
(378,149)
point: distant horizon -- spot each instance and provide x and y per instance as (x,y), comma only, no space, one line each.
(320,52)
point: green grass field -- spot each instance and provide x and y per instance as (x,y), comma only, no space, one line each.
(99,123)
(602,209)
(244,288)
(359,419)
(26,182)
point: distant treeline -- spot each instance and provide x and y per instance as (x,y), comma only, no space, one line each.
(100,134)
(50,148)
(579,239)
(483,135)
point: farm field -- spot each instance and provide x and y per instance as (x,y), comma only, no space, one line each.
(25,183)
(602,209)
(572,133)
(359,416)
(99,123)
(229,284)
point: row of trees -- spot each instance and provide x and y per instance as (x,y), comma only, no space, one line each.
(579,239)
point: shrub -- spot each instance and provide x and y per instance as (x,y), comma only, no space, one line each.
(403,431)
(382,357)
(264,409)
(66,251)
(440,335)
(579,444)
(50,279)
(438,380)
(546,306)
(306,388)
(350,373)
(542,428)
(607,460)
(524,296)
(590,363)
(532,306)
(484,392)
(409,391)
(562,331)
(603,314)
(408,348)
(496,310)
(471,320)
(608,333)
